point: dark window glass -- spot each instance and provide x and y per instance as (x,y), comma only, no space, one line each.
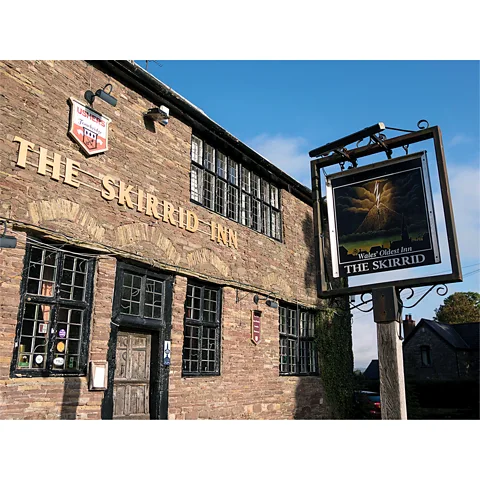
(55,311)
(231,190)
(201,344)
(209,157)
(142,295)
(221,197)
(232,203)
(425,354)
(208,189)
(297,344)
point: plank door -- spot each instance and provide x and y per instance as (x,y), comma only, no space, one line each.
(131,384)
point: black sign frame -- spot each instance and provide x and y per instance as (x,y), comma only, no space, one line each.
(324,274)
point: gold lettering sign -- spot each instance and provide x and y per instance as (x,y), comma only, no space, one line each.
(129,196)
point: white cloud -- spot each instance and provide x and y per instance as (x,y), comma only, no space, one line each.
(459,139)
(287,153)
(364,331)
(464,187)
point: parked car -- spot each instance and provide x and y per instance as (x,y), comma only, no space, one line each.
(367,405)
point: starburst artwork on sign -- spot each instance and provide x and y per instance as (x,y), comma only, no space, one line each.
(382,217)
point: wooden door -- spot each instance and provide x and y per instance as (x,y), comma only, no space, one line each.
(131,385)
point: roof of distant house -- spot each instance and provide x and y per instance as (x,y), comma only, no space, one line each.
(464,336)
(372,372)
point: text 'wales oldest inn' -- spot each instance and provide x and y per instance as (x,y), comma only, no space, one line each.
(162,268)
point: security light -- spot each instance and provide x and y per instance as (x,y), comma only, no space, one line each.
(158,114)
(268,301)
(271,303)
(101,93)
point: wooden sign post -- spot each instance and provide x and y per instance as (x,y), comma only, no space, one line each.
(390,354)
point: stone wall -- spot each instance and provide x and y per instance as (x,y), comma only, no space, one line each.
(443,357)
(34,107)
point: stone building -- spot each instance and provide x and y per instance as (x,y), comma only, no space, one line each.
(435,351)
(162,268)
(441,363)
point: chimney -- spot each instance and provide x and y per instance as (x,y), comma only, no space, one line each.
(408,326)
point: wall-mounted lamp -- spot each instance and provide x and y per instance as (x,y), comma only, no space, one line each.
(158,114)
(268,301)
(101,93)
(6,241)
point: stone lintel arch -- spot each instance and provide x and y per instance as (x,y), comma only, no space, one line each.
(133,233)
(275,282)
(206,256)
(43,212)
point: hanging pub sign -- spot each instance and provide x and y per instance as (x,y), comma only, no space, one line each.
(381,217)
(256,326)
(88,128)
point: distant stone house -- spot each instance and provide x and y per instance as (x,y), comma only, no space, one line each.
(441,369)
(435,351)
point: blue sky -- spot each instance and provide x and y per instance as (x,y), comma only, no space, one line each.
(283,109)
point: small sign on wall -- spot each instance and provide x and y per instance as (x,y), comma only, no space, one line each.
(98,375)
(256,326)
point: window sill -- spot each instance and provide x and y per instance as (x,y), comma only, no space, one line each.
(36,373)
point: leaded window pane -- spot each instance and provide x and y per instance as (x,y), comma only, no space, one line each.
(221,165)
(54,311)
(266,220)
(283,319)
(218,183)
(246,180)
(201,347)
(34,336)
(265,191)
(221,197)
(208,189)
(196,184)
(232,203)
(197,150)
(154,290)
(255,185)
(130,301)
(297,345)
(42,272)
(209,157)
(246,213)
(232,172)
(283,356)
(256,215)
(274,196)
(73,281)
(68,335)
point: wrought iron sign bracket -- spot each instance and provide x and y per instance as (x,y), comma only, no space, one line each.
(379,141)
(377,146)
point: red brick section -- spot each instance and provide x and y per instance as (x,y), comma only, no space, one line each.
(33,105)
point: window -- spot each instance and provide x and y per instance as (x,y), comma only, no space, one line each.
(54,316)
(298,355)
(142,295)
(201,342)
(229,189)
(425,355)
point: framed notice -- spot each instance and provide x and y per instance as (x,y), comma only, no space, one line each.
(381,217)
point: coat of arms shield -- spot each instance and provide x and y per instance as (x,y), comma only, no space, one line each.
(88,128)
